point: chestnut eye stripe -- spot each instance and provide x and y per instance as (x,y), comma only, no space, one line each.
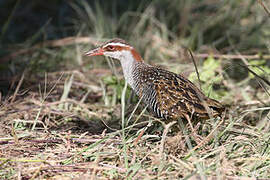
(115,47)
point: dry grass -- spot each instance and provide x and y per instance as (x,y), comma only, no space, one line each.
(61,129)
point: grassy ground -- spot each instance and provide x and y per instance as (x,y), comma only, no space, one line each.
(64,116)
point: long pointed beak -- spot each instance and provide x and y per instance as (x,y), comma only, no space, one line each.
(95,52)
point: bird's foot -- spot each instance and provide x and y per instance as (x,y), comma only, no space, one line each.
(194,131)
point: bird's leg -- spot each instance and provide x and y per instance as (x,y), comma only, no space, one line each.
(164,135)
(189,122)
(196,137)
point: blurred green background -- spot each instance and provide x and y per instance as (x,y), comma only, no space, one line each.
(195,22)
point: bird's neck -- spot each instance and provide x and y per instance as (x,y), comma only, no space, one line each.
(130,60)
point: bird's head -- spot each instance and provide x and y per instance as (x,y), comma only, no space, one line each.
(116,48)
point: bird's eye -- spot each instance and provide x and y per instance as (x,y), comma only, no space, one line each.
(110,48)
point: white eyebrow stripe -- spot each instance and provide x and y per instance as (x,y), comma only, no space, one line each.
(117,44)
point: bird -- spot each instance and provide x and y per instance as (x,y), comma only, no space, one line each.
(168,95)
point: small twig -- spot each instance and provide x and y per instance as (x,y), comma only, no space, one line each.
(196,69)
(21,160)
(41,141)
(232,56)
(82,167)
(17,88)
(264,7)
(259,79)
(255,74)
(50,43)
